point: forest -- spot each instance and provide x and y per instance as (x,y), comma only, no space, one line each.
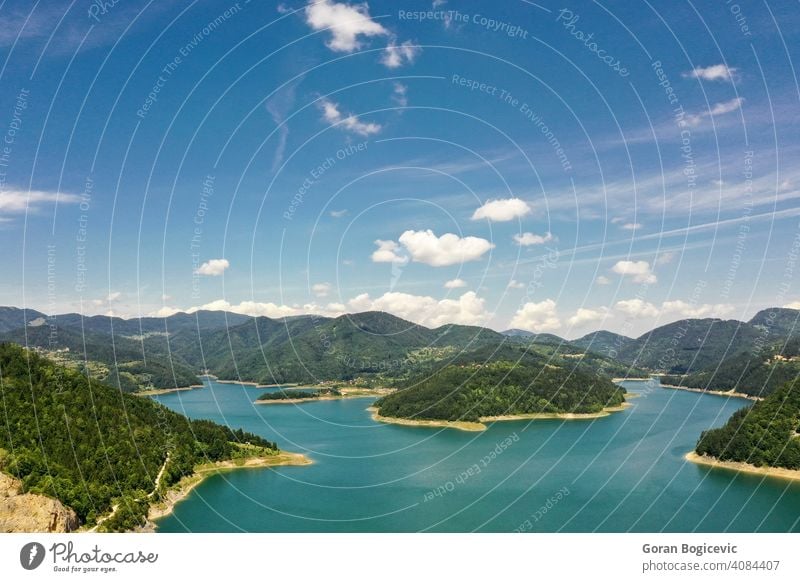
(472,390)
(91,446)
(766,433)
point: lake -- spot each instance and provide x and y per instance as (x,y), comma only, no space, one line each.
(624,472)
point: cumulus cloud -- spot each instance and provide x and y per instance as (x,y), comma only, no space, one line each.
(584,316)
(537,317)
(685,309)
(345,23)
(638,270)
(602,280)
(397,55)
(636,308)
(213,268)
(19,201)
(527,239)
(164,312)
(333,116)
(643,309)
(321,289)
(502,210)
(455,284)
(442,251)
(719,72)
(387,252)
(469,309)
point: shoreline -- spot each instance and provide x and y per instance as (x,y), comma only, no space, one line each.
(347,393)
(713,462)
(481,424)
(186,485)
(158,391)
(632,379)
(729,394)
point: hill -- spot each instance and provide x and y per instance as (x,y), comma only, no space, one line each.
(469,392)
(92,447)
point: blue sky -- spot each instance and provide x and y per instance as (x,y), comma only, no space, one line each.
(555,167)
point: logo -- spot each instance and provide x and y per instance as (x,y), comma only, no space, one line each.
(31,555)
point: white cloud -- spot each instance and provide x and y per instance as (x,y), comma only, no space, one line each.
(643,309)
(468,309)
(665,258)
(214,267)
(685,309)
(387,253)
(632,226)
(253,308)
(514,284)
(727,106)
(712,73)
(164,312)
(19,201)
(639,270)
(395,55)
(332,115)
(321,289)
(793,305)
(584,316)
(338,213)
(636,308)
(400,94)
(113,296)
(603,280)
(345,23)
(527,239)
(502,210)
(537,317)
(448,249)
(455,284)
(166,297)
(693,120)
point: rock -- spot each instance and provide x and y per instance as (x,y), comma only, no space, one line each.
(29,512)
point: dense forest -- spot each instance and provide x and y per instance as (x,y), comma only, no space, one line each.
(768,433)
(470,391)
(754,372)
(91,446)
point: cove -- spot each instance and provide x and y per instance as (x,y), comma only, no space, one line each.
(619,473)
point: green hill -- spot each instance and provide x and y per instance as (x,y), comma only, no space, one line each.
(766,434)
(90,446)
(467,392)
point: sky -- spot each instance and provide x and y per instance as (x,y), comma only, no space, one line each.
(553,167)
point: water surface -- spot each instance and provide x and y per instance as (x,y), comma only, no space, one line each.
(623,472)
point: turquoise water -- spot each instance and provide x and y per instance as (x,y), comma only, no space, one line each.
(623,472)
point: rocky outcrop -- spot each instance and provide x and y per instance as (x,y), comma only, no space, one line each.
(28,512)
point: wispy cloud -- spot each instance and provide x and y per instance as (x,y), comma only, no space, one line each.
(278,107)
(719,72)
(20,201)
(347,122)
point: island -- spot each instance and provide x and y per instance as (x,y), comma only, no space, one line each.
(466,396)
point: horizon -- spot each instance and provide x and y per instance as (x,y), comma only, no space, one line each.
(327,317)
